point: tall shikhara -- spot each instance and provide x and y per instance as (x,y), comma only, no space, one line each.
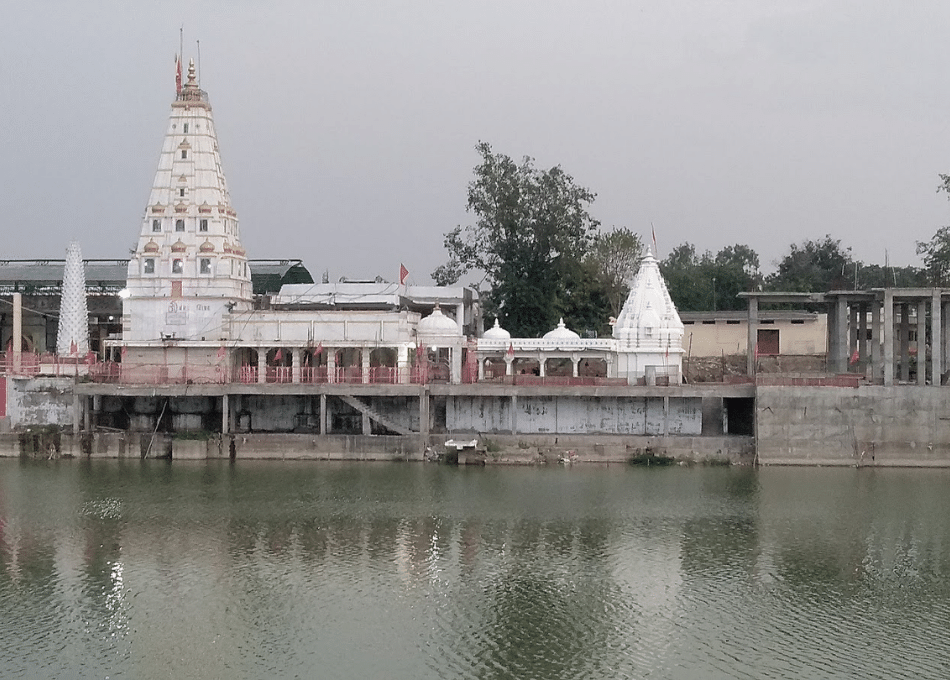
(72,337)
(188,274)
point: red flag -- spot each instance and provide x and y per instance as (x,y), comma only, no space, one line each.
(420,350)
(511,350)
(124,350)
(278,356)
(855,357)
(72,347)
(756,350)
(653,229)
(177,74)
(319,350)
(221,352)
(403,273)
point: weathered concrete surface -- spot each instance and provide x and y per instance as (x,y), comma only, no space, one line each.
(871,425)
(39,401)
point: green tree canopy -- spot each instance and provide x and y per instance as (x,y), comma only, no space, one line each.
(814,266)
(531,232)
(615,257)
(708,283)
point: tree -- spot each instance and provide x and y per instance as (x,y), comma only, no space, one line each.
(706,283)
(615,257)
(530,234)
(814,266)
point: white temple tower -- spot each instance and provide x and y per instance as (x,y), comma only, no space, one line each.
(649,332)
(72,337)
(189,271)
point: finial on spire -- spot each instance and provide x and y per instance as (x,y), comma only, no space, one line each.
(191,73)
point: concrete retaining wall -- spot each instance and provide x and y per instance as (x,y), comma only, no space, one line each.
(39,401)
(638,416)
(870,425)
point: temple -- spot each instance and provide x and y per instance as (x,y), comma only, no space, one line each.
(190,315)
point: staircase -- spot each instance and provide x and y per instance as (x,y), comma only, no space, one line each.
(379,418)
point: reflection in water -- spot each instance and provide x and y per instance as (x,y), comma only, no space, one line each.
(358,570)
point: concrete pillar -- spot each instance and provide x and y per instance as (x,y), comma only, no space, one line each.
(331,365)
(753,323)
(514,414)
(481,367)
(832,336)
(424,413)
(946,332)
(666,416)
(455,355)
(921,342)
(297,359)
(17,331)
(86,415)
(364,364)
(77,413)
(855,338)
(863,343)
(261,365)
(936,338)
(887,337)
(575,360)
(841,357)
(904,336)
(876,367)
(542,360)
(460,317)
(225,418)
(367,425)
(402,364)
(509,365)
(323,413)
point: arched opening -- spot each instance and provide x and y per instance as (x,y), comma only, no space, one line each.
(558,367)
(592,368)
(280,365)
(349,365)
(382,365)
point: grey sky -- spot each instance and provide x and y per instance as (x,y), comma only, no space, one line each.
(347,129)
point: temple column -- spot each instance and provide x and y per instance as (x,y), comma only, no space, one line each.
(364,365)
(455,355)
(863,344)
(261,365)
(297,358)
(402,364)
(509,365)
(481,367)
(887,337)
(331,365)
(542,361)
(854,335)
(575,360)
(323,413)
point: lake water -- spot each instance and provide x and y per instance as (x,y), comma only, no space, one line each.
(285,570)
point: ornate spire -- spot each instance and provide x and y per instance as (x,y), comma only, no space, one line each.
(72,337)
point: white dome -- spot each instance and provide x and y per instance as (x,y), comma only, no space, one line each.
(496,332)
(562,332)
(437,324)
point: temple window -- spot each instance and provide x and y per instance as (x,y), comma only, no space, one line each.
(181,192)
(179,225)
(177,266)
(204,266)
(186,128)
(184,154)
(149,266)
(203,225)
(156,225)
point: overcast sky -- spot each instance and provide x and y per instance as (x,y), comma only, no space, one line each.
(347,129)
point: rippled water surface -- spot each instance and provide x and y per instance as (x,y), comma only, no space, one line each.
(282,570)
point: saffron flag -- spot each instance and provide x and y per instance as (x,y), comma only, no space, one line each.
(221,352)
(511,350)
(177,74)
(73,349)
(420,350)
(278,356)
(124,350)
(403,273)
(653,229)
(319,350)
(855,357)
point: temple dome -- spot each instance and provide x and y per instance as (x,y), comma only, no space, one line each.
(437,324)
(179,247)
(496,332)
(562,332)
(206,247)
(151,247)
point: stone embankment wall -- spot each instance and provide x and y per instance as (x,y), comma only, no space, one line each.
(869,425)
(494,449)
(731,366)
